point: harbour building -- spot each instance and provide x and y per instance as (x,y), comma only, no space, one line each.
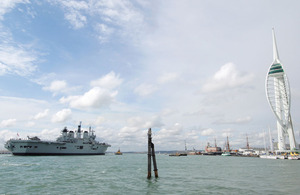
(279,98)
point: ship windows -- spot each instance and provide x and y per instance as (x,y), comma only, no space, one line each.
(27,146)
(63,148)
(79,147)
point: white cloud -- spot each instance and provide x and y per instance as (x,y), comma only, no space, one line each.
(142,122)
(17,60)
(6,135)
(62,116)
(227,77)
(95,98)
(30,124)
(99,120)
(242,120)
(56,86)
(7,5)
(74,12)
(109,81)
(103,32)
(41,115)
(113,15)
(168,77)
(208,132)
(145,89)
(8,123)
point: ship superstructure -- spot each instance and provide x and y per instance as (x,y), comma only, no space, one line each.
(279,97)
(66,144)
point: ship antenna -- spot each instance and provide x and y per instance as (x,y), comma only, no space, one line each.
(79,127)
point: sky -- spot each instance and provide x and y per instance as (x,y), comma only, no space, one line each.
(193,71)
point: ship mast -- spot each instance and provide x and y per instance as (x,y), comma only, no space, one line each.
(247,142)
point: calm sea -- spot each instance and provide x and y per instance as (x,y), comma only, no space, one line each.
(127,174)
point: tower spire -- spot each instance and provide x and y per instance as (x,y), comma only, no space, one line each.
(275,51)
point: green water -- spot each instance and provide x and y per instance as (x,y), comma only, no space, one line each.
(126,174)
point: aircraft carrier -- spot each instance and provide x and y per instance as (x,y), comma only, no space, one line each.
(66,144)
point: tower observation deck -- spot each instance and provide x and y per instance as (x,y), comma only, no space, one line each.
(279,98)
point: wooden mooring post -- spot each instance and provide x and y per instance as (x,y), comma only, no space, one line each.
(151,152)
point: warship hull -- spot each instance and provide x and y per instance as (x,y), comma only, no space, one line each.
(31,147)
(66,144)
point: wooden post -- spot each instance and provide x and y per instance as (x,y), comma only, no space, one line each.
(149,153)
(154,160)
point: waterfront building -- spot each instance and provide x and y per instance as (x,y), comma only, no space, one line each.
(279,98)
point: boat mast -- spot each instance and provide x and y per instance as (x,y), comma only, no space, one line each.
(247,142)
(228,148)
(271,141)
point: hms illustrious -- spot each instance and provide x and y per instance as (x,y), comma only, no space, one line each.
(65,144)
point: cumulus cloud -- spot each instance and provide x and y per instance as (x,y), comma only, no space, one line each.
(56,86)
(59,86)
(41,115)
(62,116)
(225,78)
(95,98)
(102,94)
(8,123)
(109,81)
(145,89)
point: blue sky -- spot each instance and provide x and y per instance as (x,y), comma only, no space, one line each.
(193,71)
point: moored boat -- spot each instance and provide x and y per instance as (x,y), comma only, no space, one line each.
(226,154)
(268,156)
(178,154)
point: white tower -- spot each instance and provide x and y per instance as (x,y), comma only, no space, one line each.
(279,97)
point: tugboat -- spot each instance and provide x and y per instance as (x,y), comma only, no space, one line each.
(119,152)
(65,144)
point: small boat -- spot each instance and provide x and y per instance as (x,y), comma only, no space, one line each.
(268,156)
(226,154)
(282,157)
(294,156)
(118,152)
(178,154)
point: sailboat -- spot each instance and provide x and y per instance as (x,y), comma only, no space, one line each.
(267,155)
(227,151)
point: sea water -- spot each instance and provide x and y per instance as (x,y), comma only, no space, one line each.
(127,174)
